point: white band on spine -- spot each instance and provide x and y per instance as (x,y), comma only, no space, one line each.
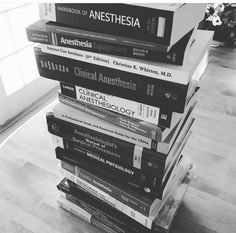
(137,157)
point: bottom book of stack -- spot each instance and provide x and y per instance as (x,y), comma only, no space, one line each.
(92,204)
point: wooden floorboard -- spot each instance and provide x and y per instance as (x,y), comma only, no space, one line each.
(28,175)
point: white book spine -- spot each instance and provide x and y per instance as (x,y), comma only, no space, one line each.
(122,106)
(129,65)
(77,117)
(74,209)
(81,213)
(142,219)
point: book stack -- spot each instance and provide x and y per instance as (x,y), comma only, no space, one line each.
(129,77)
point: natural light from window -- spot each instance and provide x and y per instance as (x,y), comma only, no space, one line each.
(17,63)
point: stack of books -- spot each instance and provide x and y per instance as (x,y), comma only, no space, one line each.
(129,77)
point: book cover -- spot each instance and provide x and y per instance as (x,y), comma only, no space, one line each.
(77,184)
(110,213)
(139,88)
(160,23)
(47,33)
(161,71)
(137,200)
(119,172)
(71,136)
(99,209)
(132,109)
(89,121)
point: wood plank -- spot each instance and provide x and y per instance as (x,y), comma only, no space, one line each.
(225,86)
(214,174)
(215,102)
(201,212)
(214,146)
(210,126)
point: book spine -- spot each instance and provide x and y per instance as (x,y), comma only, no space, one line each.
(149,165)
(155,72)
(142,219)
(174,56)
(88,74)
(135,200)
(67,204)
(122,171)
(38,36)
(129,20)
(99,209)
(132,109)
(147,187)
(132,124)
(108,147)
(80,118)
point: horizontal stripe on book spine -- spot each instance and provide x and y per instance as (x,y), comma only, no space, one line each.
(143,89)
(109,147)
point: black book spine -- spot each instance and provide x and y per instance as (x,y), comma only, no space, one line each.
(99,209)
(174,56)
(122,171)
(146,184)
(145,204)
(139,88)
(107,147)
(119,19)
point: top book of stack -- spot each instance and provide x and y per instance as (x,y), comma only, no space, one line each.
(160,23)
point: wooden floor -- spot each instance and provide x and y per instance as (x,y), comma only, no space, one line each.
(28,174)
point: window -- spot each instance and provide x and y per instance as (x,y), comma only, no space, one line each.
(18,70)
(17,62)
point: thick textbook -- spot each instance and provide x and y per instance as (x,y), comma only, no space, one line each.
(72,137)
(153,133)
(56,34)
(128,67)
(100,210)
(124,174)
(160,23)
(123,214)
(135,125)
(140,202)
(132,109)
(105,145)
(136,116)
(89,121)
(112,190)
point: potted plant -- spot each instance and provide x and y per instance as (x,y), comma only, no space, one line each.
(221,18)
